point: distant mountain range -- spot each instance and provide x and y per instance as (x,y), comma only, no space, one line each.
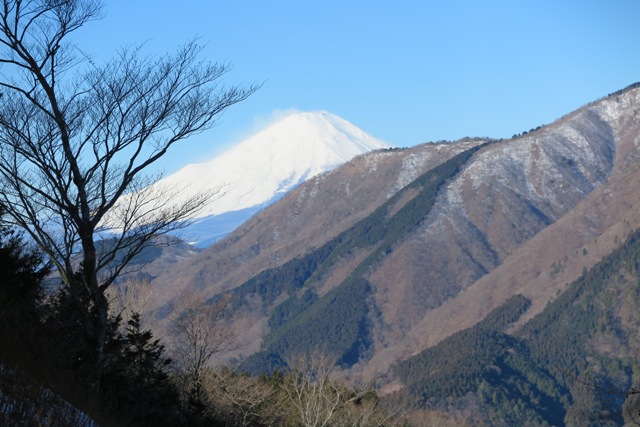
(262,168)
(496,281)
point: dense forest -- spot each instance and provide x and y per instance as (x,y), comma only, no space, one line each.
(571,365)
(337,321)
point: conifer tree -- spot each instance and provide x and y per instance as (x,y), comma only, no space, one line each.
(137,380)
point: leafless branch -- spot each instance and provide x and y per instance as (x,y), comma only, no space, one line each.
(77,140)
(198,332)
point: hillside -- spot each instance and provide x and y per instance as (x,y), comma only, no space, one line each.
(400,250)
(571,364)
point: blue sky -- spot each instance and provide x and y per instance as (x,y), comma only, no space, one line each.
(405,71)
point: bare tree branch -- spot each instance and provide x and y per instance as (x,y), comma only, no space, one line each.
(322,401)
(78,138)
(129,297)
(199,332)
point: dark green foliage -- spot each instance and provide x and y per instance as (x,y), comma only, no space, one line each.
(24,399)
(45,359)
(21,274)
(485,362)
(291,308)
(505,315)
(452,367)
(135,389)
(62,321)
(336,323)
(271,283)
(337,320)
(136,383)
(562,336)
(621,91)
(22,271)
(263,362)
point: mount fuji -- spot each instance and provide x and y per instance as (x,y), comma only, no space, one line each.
(261,169)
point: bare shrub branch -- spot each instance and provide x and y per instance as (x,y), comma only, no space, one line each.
(321,401)
(243,400)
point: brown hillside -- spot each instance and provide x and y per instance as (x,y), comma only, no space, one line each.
(524,215)
(307,217)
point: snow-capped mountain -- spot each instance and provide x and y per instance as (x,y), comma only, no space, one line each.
(263,167)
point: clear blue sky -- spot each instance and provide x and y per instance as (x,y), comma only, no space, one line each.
(405,71)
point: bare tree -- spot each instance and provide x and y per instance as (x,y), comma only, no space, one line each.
(76,137)
(369,410)
(322,401)
(129,297)
(199,332)
(317,398)
(243,400)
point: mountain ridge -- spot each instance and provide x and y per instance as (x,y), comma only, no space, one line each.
(523,216)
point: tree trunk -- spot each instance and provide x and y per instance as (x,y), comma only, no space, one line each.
(96,327)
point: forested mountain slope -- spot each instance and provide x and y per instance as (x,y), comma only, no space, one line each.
(399,249)
(571,364)
(307,217)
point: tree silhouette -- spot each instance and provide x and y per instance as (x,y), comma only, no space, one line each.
(77,139)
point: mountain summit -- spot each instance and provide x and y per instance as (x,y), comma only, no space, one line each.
(263,167)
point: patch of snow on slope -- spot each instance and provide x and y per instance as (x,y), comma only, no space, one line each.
(409,171)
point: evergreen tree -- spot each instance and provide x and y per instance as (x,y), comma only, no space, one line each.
(136,381)
(22,271)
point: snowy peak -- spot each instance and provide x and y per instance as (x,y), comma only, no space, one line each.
(306,142)
(275,160)
(321,136)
